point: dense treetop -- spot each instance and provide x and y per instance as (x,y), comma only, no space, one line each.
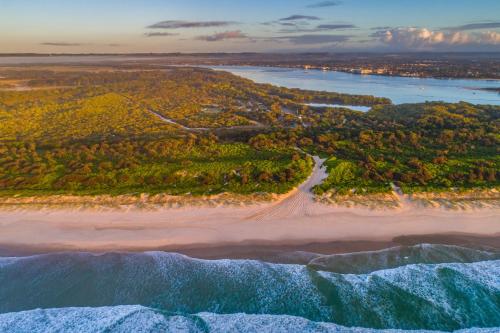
(191,130)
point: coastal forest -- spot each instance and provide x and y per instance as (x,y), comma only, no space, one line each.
(181,130)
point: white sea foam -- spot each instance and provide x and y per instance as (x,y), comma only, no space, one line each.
(460,295)
(142,319)
(432,296)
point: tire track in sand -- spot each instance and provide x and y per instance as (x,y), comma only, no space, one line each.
(299,202)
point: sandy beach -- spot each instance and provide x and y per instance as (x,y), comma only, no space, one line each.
(295,218)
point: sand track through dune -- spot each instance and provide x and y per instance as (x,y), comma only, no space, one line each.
(299,202)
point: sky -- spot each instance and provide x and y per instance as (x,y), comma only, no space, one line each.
(130,26)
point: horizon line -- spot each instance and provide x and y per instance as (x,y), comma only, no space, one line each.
(2,54)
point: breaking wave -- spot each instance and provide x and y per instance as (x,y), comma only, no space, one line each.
(429,287)
(369,261)
(142,319)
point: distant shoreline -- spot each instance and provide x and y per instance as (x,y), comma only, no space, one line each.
(224,59)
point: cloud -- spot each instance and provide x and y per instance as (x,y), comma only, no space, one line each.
(324,4)
(381,28)
(489,37)
(60,44)
(189,24)
(335,26)
(319,28)
(68,44)
(476,26)
(160,34)
(237,34)
(314,39)
(300,17)
(426,39)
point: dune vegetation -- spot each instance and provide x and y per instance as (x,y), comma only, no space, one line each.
(199,131)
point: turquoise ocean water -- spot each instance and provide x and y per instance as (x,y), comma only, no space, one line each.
(424,287)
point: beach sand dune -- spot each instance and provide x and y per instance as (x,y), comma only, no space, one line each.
(294,219)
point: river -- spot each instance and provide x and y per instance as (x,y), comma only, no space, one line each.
(399,89)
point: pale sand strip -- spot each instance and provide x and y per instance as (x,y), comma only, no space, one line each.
(148,229)
(295,218)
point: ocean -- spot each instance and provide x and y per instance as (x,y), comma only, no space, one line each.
(422,287)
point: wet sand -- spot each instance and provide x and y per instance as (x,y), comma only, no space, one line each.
(280,252)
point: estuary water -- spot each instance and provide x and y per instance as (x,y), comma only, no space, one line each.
(399,89)
(352,107)
(422,287)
